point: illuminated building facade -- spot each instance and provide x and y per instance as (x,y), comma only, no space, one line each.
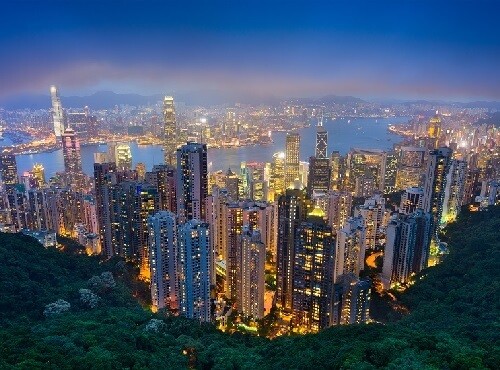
(192,181)
(123,157)
(350,249)
(411,200)
(163,260)
(366,166)
(57,113)
(8,169)
(292,209)
(292,153)
(407,247)
(170,138)
(312,273)
(194,268)
(411,166)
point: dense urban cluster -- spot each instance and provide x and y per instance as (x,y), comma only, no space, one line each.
(284,240)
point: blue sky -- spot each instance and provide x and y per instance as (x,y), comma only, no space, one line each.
(371,49)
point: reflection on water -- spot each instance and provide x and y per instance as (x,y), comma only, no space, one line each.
(368,133)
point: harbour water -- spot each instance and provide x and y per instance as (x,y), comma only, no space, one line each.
(343,134)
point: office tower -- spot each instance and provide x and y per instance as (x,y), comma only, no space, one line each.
(439,164)
(411,166)
(318,180)
(72,157)
(170,138)
(373,213)
(352,300)
(229,123)
(454,191)
(192,181)
(123,157)
(338,208)
(39,174)
(277,177)
(411,200)
(78,121)
(303,175)
(163,256)
(366,170)
(312,273)
(292,154)
(391,170)
(292,209)
(350,249)
(321,149)
(407,247)
(253,260)
(102,181)
(92,127)
(57,113)
(195,259)
(8,169)
(434,131)
(232,185)
(233,225)
(336,171)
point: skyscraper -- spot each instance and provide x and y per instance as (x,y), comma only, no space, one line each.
(292,209)
(8,169)
(194,266)
(123,157)
(102,182)
(57,112)
(366,166)
(72,157)
(318,180)
(435,185)
(352,300)
(434,130)
(253,260)
(163,256)
(169,130)
(350,249)
(411,200)
(233,226)
(454,190)
(192,181)
(39,174)
(407,247)
(373,213)
(411,166)
(292,163)
(312,273)
(321,150)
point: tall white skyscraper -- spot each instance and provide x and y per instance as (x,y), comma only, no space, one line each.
(163,260)
(57,112)
(350,249)
(195,258)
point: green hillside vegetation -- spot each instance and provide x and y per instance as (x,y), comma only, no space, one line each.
(453,324)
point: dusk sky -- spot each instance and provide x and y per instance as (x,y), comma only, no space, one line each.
(371,49)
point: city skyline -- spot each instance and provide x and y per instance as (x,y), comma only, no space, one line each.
(411,50)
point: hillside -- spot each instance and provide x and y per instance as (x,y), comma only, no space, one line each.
(454,320)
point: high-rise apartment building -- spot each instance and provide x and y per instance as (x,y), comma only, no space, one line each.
(439,164)
(454,191)
(194,266)
(163,255)
(350,249)
(312,273)
(192,181)
(292,155)
(170,138)
(411,167)
(233,229)
(351,301)
(8,169)
(123,157)
(411,200)
(252,265)
(366,170)
(292,209)
(72,157)
(407,247)
(373,212)
(338,208)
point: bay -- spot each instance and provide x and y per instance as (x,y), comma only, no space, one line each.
(343,134)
